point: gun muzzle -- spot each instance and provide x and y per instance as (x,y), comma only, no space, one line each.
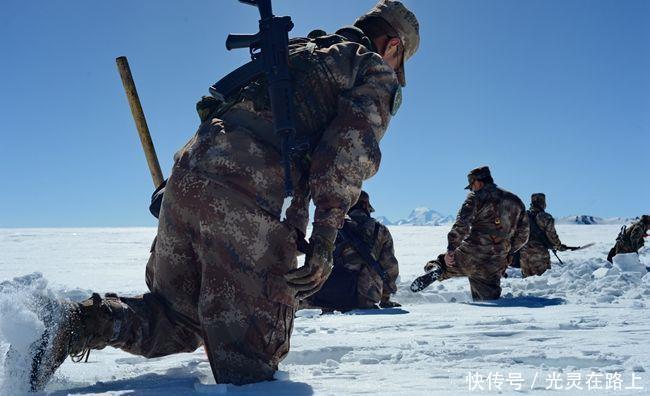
(249,2)
(241,41)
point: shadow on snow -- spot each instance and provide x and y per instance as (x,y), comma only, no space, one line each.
(521,301)
(168,384)
(383,311)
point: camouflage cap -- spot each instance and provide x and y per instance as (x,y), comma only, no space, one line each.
(539,200)
(479,174)
(363,202)
(405,24)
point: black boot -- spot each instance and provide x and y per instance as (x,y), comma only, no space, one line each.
(71,329)
(422,282)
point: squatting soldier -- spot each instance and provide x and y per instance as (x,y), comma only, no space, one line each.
(630,239)
(223,270)
(535,259)
(365,267)
(490,227)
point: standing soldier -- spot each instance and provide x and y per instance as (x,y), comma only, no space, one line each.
(490,227)
(630,239)
(535,259)
(365,267)
(223,270)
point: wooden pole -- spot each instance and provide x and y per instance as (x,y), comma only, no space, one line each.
(140,120)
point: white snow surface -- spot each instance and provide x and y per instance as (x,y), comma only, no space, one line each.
(583,325)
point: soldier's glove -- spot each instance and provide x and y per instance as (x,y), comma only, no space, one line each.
(563,248)
(309,278)
(450,258)
(389,304)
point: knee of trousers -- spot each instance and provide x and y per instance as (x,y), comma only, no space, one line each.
(249,349)
(485,288)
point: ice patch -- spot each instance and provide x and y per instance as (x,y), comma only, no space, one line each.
(629,262)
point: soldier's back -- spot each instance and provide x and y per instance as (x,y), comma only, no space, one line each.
(496,219)
(236,144)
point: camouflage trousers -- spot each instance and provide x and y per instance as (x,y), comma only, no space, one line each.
(216,279)
(534,261)
(484,275)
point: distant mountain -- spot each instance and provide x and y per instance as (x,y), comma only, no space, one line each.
(589,220)
(383,220)
(425,217)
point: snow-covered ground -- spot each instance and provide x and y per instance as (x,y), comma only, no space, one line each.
(582,328)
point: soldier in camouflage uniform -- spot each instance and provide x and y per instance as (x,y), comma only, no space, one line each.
(630,239)
(223,270)
(365,267)
(535,259)
(490,227)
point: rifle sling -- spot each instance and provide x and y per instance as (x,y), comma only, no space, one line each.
(364,252)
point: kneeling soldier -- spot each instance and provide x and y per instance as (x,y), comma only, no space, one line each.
(535,259)
(365,267)
(490,227)
(630,239)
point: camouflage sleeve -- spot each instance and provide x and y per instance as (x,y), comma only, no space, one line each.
(461,227)
(547,223)
(636,236)
(520,238)
(388,262)
(348,152)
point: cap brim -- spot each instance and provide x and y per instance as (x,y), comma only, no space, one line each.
(401,75)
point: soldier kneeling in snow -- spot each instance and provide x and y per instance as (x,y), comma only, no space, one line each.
(490,227)
(535,259)
(365,267)
(630,239)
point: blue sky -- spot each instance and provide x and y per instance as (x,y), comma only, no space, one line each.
(553,95)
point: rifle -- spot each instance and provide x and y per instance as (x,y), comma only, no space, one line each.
(574,248)
(269,50)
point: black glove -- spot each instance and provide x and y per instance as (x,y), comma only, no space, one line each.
(309,278)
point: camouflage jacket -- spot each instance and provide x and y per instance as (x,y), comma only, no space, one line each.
(492,223)
(342,100)
(546,224)
(378,239)
(632,239)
